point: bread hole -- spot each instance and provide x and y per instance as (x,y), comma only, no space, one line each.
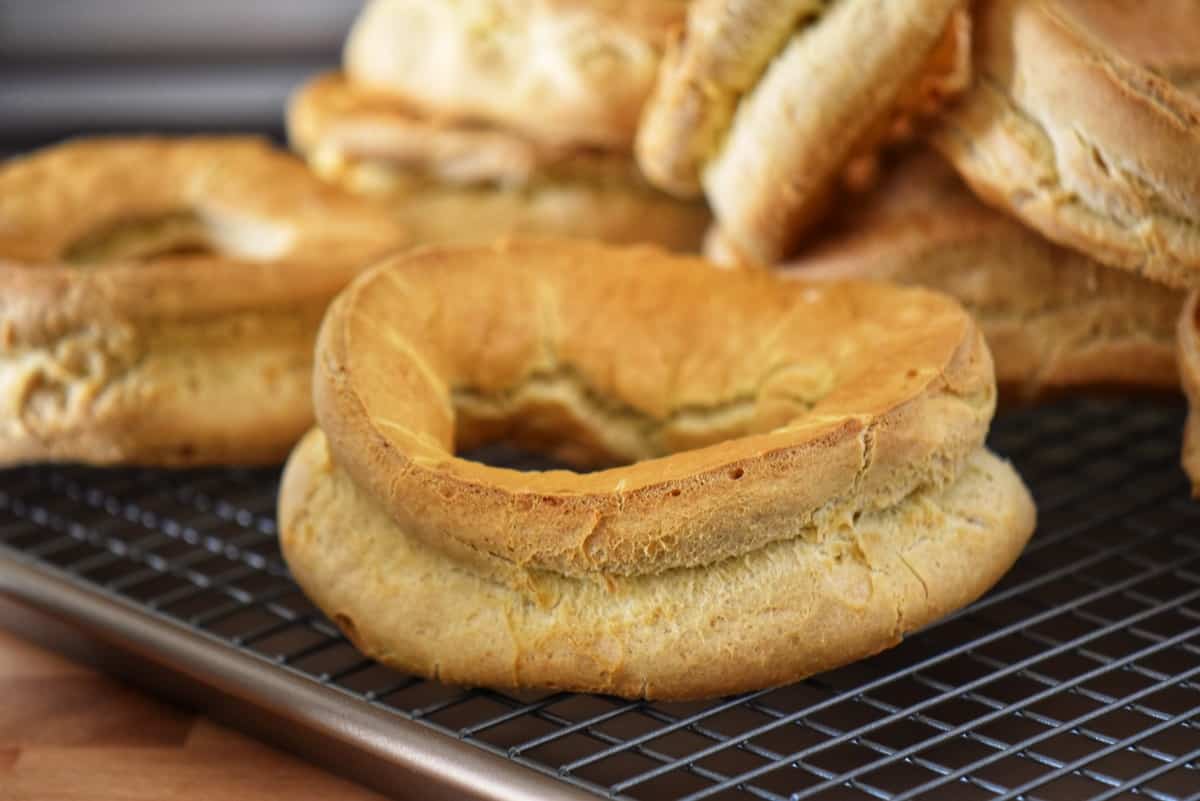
(514,457)
(180,233)
(174,234)
(556,419)
(675,493)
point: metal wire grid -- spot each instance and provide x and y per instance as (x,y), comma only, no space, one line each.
(1078,677)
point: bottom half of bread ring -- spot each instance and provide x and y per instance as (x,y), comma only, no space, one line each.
(1056,321)
(766,618)
(231,389)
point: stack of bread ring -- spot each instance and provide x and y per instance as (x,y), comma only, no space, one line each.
(769,459)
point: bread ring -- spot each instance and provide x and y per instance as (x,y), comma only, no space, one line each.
(761,106)
(1054,319)
(1189,370)
(561,72)
(454,182)
(764,442)
(160,298)
(1068,127)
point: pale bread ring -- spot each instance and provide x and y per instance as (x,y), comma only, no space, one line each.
(115,347)
(561,72)
(775,423)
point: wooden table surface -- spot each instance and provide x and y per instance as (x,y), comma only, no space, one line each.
(69,733)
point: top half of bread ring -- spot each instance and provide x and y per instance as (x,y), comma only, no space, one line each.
(164,229)
(338,125)
(561,72)
(761,104)
(1083,120)
(754,404)
(450,180)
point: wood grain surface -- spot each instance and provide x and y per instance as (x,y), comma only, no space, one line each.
(69,733)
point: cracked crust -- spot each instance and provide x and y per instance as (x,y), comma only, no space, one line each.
(451,182)
(1069,128)
(562,72)
(772,616)
(1053,318)
(808,405)
(189,341)
(759,105)
(1189,369)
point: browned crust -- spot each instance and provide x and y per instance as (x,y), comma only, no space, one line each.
(54,197)
(770,617)
(1054,319)
(1189,369)
(562,72)
(614,352)
(1166,40)
(331,113)
(1079,141)
(177,360)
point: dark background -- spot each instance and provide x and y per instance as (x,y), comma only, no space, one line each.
(88,66)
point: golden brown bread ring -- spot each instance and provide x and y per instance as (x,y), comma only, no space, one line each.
(1054,319)
(806,405)
(457,182)
(1069,127)
(123,338)
(1189,370)
(812,483)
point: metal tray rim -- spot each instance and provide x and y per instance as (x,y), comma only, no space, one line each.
(329,715)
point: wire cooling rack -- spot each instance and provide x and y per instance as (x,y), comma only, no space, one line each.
(1078,677)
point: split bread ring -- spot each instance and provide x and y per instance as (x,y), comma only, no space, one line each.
(1189,370)
(763,104)
(563,73)
(808,480)
(1070,126)
(159,298)
(1054,319)
(455,182)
